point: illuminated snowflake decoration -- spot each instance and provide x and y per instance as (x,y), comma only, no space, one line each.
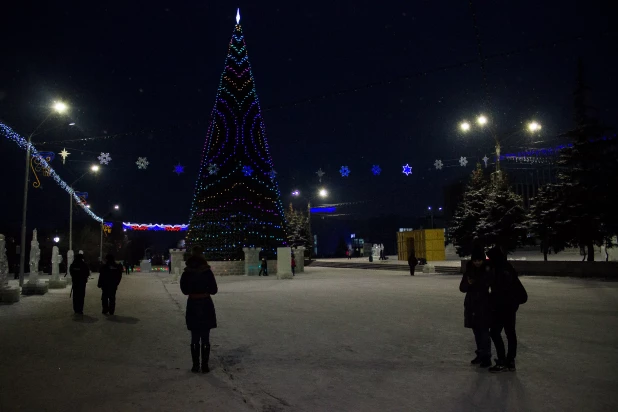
(485,159)
(142,163)
(463,161)
(345,171)
(213,169)
(178,169)
(438,164)
(272,174)
(247,170)
(104,158)
(320,173)
(376,170)
(407,170)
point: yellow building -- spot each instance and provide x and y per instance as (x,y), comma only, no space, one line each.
(426,243)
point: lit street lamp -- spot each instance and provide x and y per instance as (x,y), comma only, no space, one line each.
(323,192)
(116,207)
(431,213)
(482,121)
(56,239)
(57,107)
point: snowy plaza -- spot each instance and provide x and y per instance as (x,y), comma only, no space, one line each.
(328,340)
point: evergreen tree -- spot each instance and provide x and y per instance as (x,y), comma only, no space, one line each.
(503,220)
(545,219)
(236,201)
(468,214)
(584,180)
(299,229)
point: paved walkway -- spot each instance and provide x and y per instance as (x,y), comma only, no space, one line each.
(328,340)
(138,360)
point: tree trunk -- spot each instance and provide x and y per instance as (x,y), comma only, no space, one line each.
(590,247)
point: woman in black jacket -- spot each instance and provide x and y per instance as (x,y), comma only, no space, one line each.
(476,306)
(198,282)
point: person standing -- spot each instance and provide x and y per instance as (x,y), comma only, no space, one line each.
(109,279)
(476,305)
(507,293)
(263,267)
(412,262)
(198,282)
(79,276)
(126,267)
(293,266)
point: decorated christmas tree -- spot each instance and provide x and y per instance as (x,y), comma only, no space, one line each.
(236,201)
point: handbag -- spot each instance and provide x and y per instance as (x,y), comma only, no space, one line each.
(521,295)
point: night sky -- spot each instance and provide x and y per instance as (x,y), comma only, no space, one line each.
(145,76)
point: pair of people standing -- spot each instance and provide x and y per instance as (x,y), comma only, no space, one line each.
(487,314)
(109,278)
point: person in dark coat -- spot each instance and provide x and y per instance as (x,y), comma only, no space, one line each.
(504,304)
(412,262)
(79,275)
(263,267)
(198,282)
(477,315)
(126,267)
(109,279)
(293,266)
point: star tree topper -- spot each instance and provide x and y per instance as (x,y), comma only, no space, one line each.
(407,170)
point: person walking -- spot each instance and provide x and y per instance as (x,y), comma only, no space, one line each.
(169,265)
(507,293)
(79,276)
(198,282)
(293,266)
(412,262)
(126,267)
(263,267)
(474,284)
(109,279)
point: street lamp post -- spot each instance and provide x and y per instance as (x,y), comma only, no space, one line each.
(58,107)
(431,214)
(482,121)
(94,169)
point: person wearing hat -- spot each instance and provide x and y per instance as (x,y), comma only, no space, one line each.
(79,275)
(198,282)
(109,279)
(474,284)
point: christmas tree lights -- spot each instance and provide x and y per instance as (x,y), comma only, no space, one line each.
(236,201)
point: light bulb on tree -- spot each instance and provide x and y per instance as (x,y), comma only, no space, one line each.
(464,126)
(481,120)
(94,168)
(323,193)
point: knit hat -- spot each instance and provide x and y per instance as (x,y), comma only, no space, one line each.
(478,253)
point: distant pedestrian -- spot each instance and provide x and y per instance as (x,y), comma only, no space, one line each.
(381,254)
(507,293)
(412,262)
(474,284)
(293,266)
(198,282)
(126,267)
(109,279)
(169,265)
(79,276)
(263,267)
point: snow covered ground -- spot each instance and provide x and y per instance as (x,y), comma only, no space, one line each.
(328,340)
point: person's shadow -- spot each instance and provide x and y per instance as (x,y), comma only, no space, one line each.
(84,319)
(129,320)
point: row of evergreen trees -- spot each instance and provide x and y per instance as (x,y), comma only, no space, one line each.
(579,210)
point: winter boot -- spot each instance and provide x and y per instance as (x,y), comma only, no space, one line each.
(510,363)
(476,360)
(205,358)
(499,366)
(485,363)
(195,355)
